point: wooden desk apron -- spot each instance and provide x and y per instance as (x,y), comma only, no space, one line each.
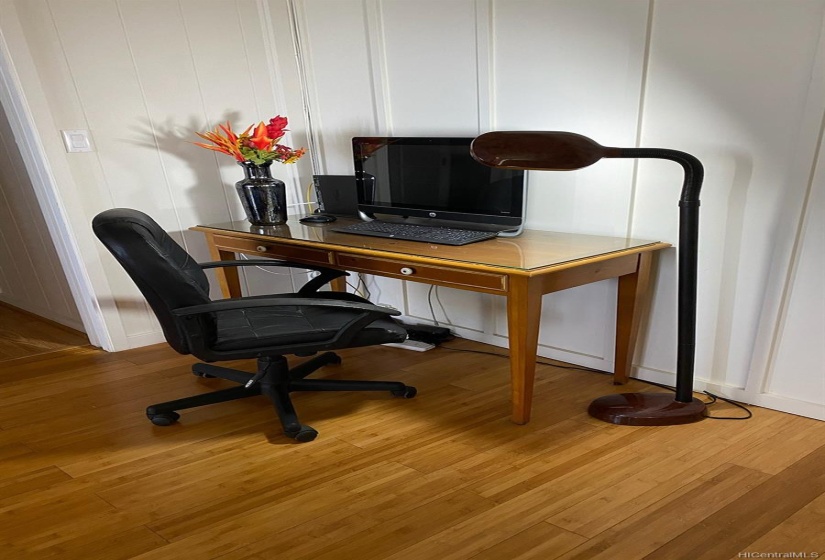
(522,269)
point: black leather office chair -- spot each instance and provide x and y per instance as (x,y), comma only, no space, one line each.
(261,327)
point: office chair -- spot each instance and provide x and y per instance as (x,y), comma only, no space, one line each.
(262,327)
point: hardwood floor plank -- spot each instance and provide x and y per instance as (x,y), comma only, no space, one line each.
(104,545)
(541,541)
(31,481)
(800,533)
(643,534)
(678,467)
(23,334)
(753,514)
(446,475)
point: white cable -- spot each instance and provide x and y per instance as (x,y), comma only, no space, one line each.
(268,271)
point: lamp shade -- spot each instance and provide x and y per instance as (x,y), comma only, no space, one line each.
(548,151)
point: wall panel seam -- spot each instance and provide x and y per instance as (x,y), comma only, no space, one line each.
(145,103)
(377,55)
(309,92)
(634,175)
(793,265)
(273,64)
(767,373)
(484,56)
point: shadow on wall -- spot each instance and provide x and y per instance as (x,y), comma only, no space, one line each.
(200,178)
(176,139)
(729,265)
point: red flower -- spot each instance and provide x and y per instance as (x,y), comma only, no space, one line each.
(276,127)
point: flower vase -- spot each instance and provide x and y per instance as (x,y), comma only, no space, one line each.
(262,196)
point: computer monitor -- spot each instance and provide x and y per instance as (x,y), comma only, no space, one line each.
(435,179)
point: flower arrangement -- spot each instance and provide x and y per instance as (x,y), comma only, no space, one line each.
(257,146)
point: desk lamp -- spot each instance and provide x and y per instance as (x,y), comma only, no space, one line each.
(565,151)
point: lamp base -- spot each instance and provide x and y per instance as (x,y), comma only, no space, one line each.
(646,409)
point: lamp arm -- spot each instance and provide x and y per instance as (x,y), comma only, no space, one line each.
(688,261)
(694,172)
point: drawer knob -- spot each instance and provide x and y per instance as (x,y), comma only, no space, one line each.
(406,271)
(261,248)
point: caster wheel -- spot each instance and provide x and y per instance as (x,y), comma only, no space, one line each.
(406,392)
(303,434)
(164,418)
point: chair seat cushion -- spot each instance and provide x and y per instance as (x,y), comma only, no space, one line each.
(289,326)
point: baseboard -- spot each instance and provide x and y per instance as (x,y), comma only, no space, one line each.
(144,339)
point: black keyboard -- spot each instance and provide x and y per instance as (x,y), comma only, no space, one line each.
(411,232)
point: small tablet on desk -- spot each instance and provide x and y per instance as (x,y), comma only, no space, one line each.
(336,194)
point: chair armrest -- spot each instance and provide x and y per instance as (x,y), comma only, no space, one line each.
(249,303)
(271,262)
(326,274)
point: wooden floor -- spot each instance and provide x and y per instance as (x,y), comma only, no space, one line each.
(443,476)
(23,334)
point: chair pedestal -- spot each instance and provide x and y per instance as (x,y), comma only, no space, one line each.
(275,380)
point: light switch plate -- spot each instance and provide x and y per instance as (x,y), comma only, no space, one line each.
(77,140)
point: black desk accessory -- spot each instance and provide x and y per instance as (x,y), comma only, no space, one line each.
(566,151)
(317,219)
(336,194)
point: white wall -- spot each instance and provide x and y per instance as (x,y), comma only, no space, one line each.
(31,277)
(738,83)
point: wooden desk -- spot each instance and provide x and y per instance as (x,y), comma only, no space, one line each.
(520,268)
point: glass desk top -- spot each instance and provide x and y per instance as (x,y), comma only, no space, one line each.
(531,250)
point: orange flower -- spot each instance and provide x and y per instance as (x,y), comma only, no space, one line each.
(260,140)
(226,144)
(259,147)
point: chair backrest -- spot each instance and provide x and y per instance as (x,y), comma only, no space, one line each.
(167,276)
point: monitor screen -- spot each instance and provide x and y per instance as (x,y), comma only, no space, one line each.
(434,178)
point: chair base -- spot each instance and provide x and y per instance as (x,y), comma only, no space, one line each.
(275,380)
(646,409)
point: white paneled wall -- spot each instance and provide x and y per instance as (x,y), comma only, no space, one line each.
(737,100)
(794,378)
(431,79)
(31,277)
(142,77)
(738,83)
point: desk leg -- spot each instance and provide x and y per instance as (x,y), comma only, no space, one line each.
(631,300)
(227,277)
(523,319)
(338,284)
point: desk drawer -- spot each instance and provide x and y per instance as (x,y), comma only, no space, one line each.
(463,279)
(272,250)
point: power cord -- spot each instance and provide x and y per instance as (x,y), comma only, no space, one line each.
(361,288)
(308,197)
(434,291)
(269,271)
(430,303)
(713,397)
(362,283)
